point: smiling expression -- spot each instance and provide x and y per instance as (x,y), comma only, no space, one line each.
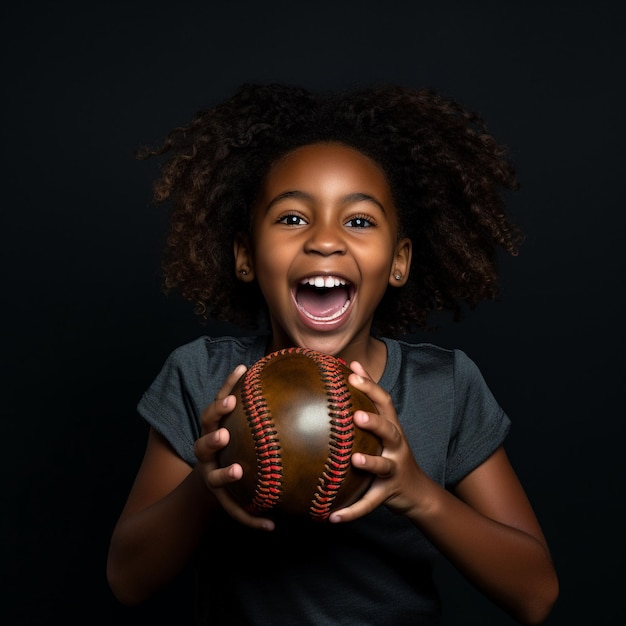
(324,247)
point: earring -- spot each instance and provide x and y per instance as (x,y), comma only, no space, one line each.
(397,276)
(243,272)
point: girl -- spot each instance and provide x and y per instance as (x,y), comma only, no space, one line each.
(335,222)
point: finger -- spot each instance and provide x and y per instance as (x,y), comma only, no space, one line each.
(221,478)
(356,367)
(361,507)
(230,381)
(384,425)
(207,445)
(215,411)
(374,464)
(242,516)
(224,401)
(361,381)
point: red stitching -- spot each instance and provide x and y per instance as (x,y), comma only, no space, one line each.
(341,436)
(268,489)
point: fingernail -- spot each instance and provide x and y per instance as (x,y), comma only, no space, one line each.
(362,416)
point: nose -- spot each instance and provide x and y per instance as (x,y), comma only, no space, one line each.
(325,239)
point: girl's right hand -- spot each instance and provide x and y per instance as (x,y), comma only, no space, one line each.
(210,442)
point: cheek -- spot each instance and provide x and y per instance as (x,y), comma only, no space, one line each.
(271,265)
(270,254)
(377,260)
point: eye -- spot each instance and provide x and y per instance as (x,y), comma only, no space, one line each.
(291,219)
(361,221)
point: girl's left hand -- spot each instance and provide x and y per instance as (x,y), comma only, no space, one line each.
(398,475)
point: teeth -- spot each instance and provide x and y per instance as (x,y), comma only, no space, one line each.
(330,318)
(323,281)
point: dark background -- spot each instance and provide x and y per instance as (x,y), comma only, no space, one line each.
(86,327)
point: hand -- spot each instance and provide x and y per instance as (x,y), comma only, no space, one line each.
(210,442)
(397,473)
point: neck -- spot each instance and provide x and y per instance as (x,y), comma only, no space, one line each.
(370,352)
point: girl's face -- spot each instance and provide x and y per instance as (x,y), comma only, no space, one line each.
(324,247)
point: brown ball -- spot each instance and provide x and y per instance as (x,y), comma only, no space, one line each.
(292,432)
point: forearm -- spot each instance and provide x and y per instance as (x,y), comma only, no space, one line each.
(151,546)
(510,566)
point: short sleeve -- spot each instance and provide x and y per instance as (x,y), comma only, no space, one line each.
(188,382)
(480,425)
(172,404)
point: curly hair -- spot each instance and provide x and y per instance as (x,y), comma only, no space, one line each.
(446,172)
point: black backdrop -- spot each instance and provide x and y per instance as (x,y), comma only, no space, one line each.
(86,327)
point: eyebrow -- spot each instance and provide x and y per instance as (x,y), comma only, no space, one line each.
(301,195)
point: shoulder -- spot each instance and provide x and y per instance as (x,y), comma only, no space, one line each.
(422,358)
(204,363)
(223,350)
(431,368)
(430,357)
(425,351)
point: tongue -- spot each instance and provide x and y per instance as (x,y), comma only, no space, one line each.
(322,302)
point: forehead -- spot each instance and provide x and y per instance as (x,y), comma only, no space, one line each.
(327,163)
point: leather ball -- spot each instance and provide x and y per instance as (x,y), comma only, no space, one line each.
(292,432)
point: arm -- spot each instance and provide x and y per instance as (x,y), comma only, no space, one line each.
(160,525)
(486,527)
(489,531)
(170,505)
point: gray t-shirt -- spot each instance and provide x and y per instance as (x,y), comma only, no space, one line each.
(375,570)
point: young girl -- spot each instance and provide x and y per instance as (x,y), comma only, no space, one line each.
(336,222)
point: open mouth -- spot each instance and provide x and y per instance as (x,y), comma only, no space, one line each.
(323,298)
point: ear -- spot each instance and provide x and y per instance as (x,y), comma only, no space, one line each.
(244,267)
(401,263)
